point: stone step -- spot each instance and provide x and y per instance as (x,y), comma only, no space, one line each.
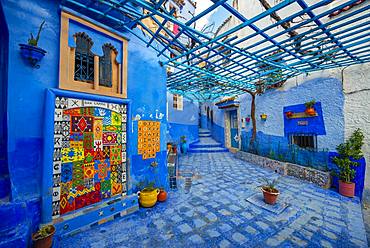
(205,145)
(15,228)
(204,135)
(204,132)
(18,237)
(208,150)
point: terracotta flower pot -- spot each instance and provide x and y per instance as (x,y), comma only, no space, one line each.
(289,114)
(270,197)
(43,242)
(310,111)
(347,189)
(169,147)
(162,196)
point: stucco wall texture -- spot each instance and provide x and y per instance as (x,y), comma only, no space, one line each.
(182,122)
(327,90)
(356,88)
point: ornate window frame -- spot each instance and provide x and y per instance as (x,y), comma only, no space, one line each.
(67,57)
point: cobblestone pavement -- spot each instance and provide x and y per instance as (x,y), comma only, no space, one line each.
(213,212)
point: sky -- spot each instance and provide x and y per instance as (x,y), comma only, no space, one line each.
(202,5)
(217,16)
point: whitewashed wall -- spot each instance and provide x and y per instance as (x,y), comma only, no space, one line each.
(356,87)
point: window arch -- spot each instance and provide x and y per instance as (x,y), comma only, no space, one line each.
(106,65)
(84,58)
(80,68)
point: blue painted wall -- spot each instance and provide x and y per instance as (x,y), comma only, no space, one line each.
(218,133)
(278,147)
(315,125)
(26,97)
(217,127)
(328,91)
(26,91)
(4,47)
(203,121)
(182,122)
(147,88)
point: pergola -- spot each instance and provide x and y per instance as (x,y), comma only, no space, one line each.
(254,54)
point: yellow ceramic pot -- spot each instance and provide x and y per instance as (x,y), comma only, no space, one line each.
(148,197)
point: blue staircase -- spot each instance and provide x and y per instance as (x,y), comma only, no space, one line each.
(16,217)
(206,144)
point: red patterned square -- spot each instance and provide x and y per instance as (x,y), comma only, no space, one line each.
(109,138)
(65,205)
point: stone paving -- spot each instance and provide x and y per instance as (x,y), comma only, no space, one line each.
(213,212)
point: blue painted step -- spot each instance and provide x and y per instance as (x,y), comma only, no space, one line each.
(16,223)
(206,144)
(204,135)
(204,132)
(209,150)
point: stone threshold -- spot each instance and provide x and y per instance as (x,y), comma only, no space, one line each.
(320,178)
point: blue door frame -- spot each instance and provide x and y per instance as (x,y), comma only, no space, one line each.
(234,128)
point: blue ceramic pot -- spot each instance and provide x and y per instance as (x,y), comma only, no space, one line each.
(32,54)
(184,148)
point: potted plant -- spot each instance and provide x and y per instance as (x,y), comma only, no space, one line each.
(30,51)
(248,119)
(264,117)
(269,190)
(348,151)
(162,196)
(148,196)
(43,238)
(183,146)
(309,107)
(289,114)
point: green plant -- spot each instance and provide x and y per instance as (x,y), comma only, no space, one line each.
(271,154)
(351,149)
(44,231)
(32,41)
(310,104)
(183,139)
(146,185)
(270,185)
(281,158)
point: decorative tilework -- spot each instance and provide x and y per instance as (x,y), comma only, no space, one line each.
(148,138)
(109,138)
(88,153)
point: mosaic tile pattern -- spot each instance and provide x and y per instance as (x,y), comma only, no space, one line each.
(148,143)
(89,153)
(215,213)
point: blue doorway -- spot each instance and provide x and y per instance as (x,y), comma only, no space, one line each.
(234,128)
